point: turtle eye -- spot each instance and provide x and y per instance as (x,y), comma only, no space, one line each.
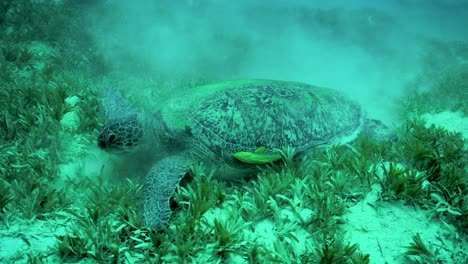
(102,144)
(111,138)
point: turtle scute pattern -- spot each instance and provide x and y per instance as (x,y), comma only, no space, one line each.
(273,114)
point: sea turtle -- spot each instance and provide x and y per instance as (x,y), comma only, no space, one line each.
(236,125)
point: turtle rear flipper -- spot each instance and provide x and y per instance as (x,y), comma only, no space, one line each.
(378,130)
(160,185)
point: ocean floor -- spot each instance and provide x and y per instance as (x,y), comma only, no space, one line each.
(452,121)
(63,197)
(382,229)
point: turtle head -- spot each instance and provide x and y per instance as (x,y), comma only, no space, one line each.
(121,135)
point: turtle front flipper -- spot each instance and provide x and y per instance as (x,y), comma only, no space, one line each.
(160,185)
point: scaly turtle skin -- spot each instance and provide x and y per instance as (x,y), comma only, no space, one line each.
(231,125)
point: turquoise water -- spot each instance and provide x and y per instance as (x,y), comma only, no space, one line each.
(353,198)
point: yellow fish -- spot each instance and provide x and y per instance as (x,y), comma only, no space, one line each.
(256,157)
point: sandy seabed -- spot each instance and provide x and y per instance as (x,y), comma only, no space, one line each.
(381,229)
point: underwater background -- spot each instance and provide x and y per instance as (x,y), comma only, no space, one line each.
(63,200)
